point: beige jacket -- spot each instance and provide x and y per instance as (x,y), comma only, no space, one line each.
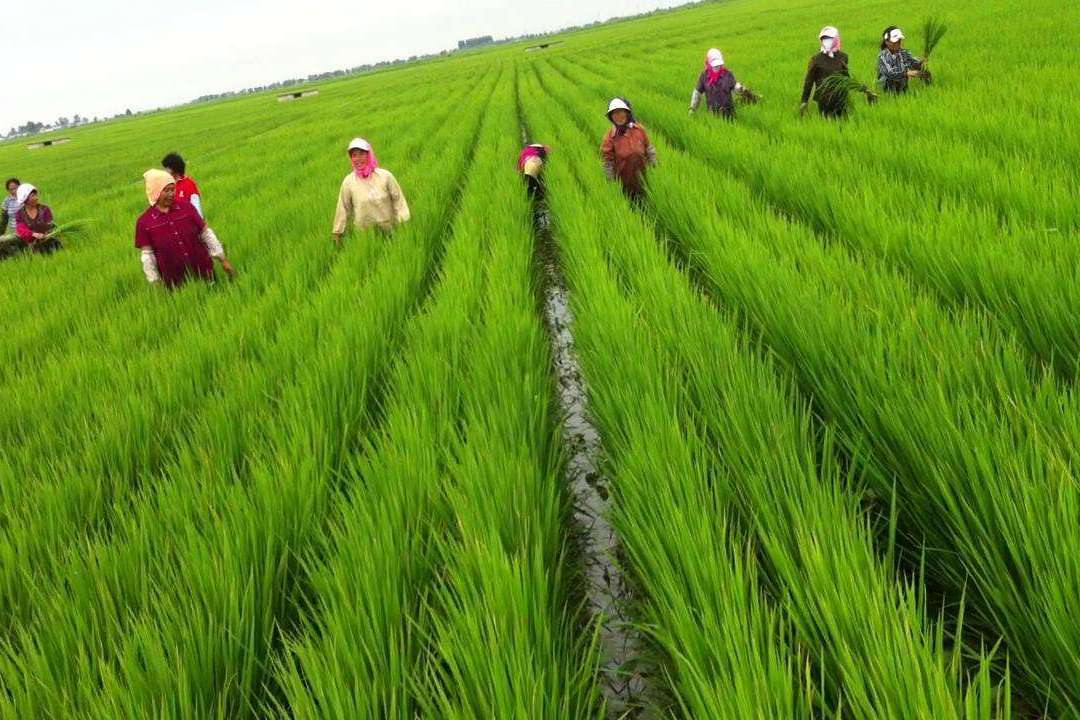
(376,201)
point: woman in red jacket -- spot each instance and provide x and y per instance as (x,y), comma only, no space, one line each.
(626,151)
(175,242)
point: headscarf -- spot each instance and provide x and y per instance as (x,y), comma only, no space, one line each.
(630,123)
(831,32)
(536,150)
(714,67)
(889,31)
(364,169)
(23,192)
(156,181)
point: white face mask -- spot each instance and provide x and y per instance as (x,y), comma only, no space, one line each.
(827,44)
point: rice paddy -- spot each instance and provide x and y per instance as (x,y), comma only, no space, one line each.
(830,365)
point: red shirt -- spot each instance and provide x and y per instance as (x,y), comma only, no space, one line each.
(174,238)
(185,188)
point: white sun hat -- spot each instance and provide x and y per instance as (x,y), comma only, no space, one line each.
(360,144)
(716,59)
(617,104)
(895,35)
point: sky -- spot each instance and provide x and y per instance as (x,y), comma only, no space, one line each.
(101,57)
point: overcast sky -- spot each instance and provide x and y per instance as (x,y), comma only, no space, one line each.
(99,57)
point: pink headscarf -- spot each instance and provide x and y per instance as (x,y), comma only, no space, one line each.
(365,168)
(714,74)
(830,32)
(531,151)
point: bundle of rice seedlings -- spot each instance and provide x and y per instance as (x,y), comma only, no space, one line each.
(748,96)
(933,30)
(73,229)
(838,89)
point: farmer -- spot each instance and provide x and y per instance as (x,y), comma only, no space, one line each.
(531,166)
(626,151)
(716,83)
(186,189)
(174,240)
(895,64)
(831,60)
(34,222)
(369,194)
(9,208)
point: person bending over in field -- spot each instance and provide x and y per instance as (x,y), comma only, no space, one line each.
(717,85)
(626,151)
(186,189)
(531,166)
(175,242)
(369,194)
(9,207)
(34,227)
(895,64)
(829,61)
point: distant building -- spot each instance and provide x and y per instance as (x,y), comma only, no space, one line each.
(48,143)
(475,42)
(289,97)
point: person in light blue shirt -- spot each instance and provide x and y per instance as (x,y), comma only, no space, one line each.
(10,207)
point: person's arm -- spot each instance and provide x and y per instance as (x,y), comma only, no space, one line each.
(4,220)
(196,202)
(146,254)
(808,83)
(918,63)
(397,199)
(650,150)
(699,90)
(344,210)
(210,239)
(23,231)
(607,153)
(149,266)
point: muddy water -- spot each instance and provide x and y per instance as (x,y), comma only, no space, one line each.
(606,590)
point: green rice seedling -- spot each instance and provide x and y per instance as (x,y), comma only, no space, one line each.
(396,278)
(933,30)
(771,482)
(838,89)
(302,494)
(698,576)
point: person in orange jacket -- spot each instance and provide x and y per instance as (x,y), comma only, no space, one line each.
(627,151)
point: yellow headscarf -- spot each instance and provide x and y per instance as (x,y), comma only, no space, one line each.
(156,181)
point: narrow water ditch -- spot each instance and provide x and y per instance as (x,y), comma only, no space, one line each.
(607,591)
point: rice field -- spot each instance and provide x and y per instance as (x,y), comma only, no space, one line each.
(830,368)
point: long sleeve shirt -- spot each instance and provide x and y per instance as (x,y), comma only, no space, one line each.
(176,244)
(892,69)
(627,155)
(26,226)
(11,206)
(375,201)
(187,191)
(822,66)
(718,96)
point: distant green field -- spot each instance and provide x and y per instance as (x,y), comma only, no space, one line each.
(832,365)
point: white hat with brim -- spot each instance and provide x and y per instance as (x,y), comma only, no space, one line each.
(23,192)
(895,36)
(617,104)
(359,144)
